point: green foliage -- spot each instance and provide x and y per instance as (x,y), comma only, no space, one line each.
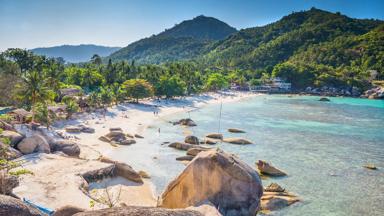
(21,172)
(42,115)
(216,81)
(170,86)
(138,89)
(106,96)
(71,107)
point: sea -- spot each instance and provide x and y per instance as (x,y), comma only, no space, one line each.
(321,145)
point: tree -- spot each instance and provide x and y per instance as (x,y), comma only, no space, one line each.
(43,115)
(96,59)
(137,89)
(170,86)
(106,96)
(71,107)
(216,81)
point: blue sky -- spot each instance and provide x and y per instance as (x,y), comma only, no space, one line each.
(42,23)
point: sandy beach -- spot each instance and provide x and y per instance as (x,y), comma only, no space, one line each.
(55,182)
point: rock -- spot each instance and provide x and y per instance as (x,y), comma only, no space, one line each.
(140,211)
(186,122)
(324,99)
(370,166)
(215,136)
(185,158)
(191,140)
(206,208)
(13,136)
(139,136)
(127,142)
(115,129)
(274,187)
(68,211)
(123,170)
(181,146)
(195,151)
(219,178)
(130,135)
(267,169)
(239,141)
(68,147)
(208,141)
(235,130)
(5,126)
(272,201)
(73,129)
(144,174)
(7,183)
(9,152)
(12,206)
(87,129)
(35,143)
(116,136)
(104,139)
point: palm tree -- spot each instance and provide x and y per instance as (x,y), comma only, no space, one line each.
(36,89)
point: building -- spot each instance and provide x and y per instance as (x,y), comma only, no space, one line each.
(276,85)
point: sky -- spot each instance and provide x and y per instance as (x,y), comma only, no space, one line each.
(43,23)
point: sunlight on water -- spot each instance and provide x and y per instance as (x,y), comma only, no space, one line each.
(321,145)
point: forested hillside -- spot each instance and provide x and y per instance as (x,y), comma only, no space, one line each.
(184,41)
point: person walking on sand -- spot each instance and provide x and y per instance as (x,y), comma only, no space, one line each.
(158,130)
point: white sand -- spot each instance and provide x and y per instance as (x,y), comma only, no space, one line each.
(55,182)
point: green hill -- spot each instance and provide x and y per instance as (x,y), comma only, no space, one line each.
(182,42)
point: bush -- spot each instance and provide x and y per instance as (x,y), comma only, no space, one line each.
(137,89)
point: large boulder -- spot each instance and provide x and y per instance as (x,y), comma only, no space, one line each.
(73,129)
(12,206)
(123,170)
(68,147)
(127,142)
(13,136)
(237,140)
(116,136)
(275,197)
(219,178)
(195,151)
(267,169)
(5,126)
(140,211)
(34,143)
(324,99)
(191,140)
(86,129)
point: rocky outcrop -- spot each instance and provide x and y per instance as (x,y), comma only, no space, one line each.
(181,146)
(374,93)
(86,129)
(237,140)
(185,158)
(332,91)
(140,211)
(267,169)
(219,178)
(206,208)
(67,211)
(144,174)
(13,136)
(208,141)
(185,122)
(139,136)
(34,143)
(117,136)
(68,147)
(370,166)
(123,170)
(235,130)
(215,136)
(12,206)
(275,197)
(191,140)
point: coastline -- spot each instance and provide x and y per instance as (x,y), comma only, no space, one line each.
(55,173)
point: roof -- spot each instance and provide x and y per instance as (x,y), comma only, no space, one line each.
(20,112)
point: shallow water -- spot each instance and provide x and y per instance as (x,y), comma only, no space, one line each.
(321,145)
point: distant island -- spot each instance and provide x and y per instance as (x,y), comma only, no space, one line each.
(75,53)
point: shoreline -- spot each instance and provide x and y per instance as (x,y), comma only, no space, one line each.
(49,169)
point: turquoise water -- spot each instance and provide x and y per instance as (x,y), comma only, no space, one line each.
(321,145)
